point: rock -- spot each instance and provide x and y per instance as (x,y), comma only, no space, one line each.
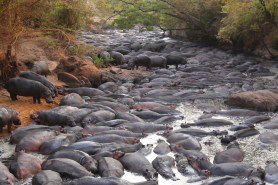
(262,100)
(89,71)
(69,79)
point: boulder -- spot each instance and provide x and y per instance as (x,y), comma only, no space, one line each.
(262,100)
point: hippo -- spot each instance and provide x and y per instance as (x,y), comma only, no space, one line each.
(271,172)
(173,59)
(118,107)
(137,163)
(199,132)
(117,57)
(41,67)
(272,124)
(104,55)
(123,133)
(109,138)
(33,141)
(25,87)
(246,132)
(162,148)
(55,144)
(98,181)
(20,133)
(25,165)
(47,177)
(112,123)
(236,169)
(81,157)
(256,119)
(36,77)
(239,112)
(5,176)
(147,114)
(88,147)
(163,165)
(78,114)
(51,118)
(232,154)
(72,99)
(8,116)
(268,137)
(85,91)
(211,122)
(129,117)
(141,60)
(146,149)
(109,167)
(139,127)
(98,116)
(67,167)
(183,166)
(158,61)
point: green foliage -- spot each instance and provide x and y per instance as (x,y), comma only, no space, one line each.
(247,22)
(100,62)
(80,49)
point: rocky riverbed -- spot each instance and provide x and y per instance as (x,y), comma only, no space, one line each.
(194,124)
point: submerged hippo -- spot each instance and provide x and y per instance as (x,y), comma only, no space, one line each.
(67,167)
(25,165)
(25,87)
(137,163)
(98,181)
(81,157)
(163,165)
(109,167)
(47,177)
(5,176)
(8,117)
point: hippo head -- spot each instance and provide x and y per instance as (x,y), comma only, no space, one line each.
(133,141)
(17,120)
(150,174)
(89,164)
(118,154)
(48,97)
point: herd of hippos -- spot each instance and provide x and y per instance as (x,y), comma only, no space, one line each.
(94,136)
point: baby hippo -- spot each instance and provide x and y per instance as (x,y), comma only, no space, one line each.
(158,61)
(8,117)
(25,87)
(141,60)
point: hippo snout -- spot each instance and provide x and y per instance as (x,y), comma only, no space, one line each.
(49,100)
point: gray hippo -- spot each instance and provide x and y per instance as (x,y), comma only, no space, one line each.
(25,165)
(5,176)
(67,167)
(41,68)
(51,118)
(33,141)
(72,99)
(163,165)
(158,61)
(47,177)
(137,163)
(141,60)
(118,58)
(8,117)
(55,144)
(109,167)
(81,157)
(36,77)
(98,181)
(25,87)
